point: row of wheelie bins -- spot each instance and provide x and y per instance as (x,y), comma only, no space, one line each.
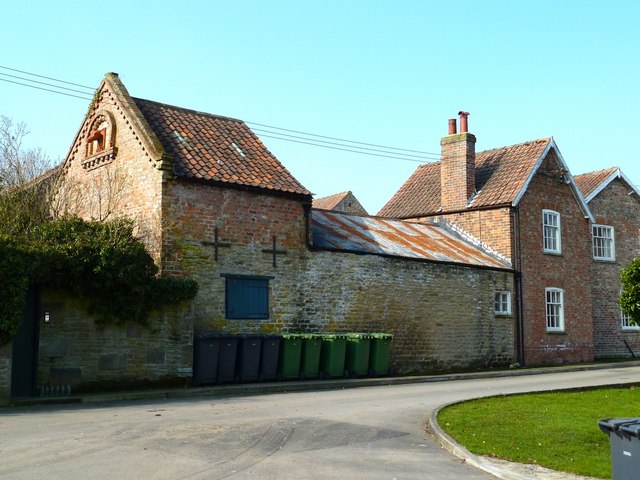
(225,358)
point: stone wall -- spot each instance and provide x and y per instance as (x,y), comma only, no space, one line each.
(5,373)
(74,350)
(441,316)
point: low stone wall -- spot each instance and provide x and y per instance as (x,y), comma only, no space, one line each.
(74,350)
(5,374)
(442,318)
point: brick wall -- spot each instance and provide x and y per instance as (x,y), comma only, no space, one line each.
(493,227)
(457,170)
(569,271)
(615,207)
(127,185)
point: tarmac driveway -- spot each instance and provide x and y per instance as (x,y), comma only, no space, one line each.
(364,433)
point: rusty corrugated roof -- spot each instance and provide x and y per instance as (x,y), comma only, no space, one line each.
(381,236)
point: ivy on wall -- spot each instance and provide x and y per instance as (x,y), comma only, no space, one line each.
(101,262)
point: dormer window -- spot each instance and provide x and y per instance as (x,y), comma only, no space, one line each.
(100,146)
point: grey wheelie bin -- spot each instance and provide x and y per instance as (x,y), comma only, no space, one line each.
(269,353)
(227,358)
(624,439)
(206,349)
(248,366)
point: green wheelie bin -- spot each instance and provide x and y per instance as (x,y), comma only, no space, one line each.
(290,353)
(357,358)
(379,354)
(310,360)
(332,355)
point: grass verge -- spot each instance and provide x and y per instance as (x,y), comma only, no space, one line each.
(558,430)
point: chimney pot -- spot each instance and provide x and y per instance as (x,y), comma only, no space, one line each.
(464,125)
(453,128)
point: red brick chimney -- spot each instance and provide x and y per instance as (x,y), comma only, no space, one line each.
(457,166)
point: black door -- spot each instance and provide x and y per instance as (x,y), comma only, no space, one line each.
(25,350)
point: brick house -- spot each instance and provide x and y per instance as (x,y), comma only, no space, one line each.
(523,202)
(615,203)
(340,202)
(213,204)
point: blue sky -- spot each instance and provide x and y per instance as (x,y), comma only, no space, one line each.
(389,73)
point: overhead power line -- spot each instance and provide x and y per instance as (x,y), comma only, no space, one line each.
(267,131)
(397,153)
(43,83)
(45,89)
(424,160)
(342,139)
(48,78)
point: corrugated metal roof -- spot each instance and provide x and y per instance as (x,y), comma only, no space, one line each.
(381,236)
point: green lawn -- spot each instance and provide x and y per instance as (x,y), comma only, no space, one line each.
(556,430)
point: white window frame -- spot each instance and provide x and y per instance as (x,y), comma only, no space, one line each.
(625,323)
(502,303)
(554,309)
(605,242)
(551,233)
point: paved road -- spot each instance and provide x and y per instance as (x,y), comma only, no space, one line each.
(365,433)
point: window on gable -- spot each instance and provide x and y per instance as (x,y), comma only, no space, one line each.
(555,309)
(551,231)
(603,242)
(503,303)
(246,297)
(97,140)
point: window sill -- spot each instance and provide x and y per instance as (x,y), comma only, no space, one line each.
(101,158)
(497,314)
(552,253)
(556,332)
(605,260)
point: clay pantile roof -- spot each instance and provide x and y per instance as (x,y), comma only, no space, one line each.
(589,182)
(396,238)
(501,174)
(419,194)
(218,149)
(329,202)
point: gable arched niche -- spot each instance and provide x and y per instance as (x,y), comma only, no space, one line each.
(100,147)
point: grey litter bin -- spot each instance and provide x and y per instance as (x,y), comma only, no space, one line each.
(624,439)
